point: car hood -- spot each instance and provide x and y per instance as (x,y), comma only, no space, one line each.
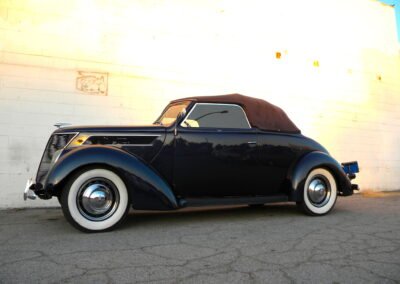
(112,129)
(132,139)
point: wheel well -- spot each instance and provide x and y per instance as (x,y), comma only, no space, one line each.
(334,174)
(59,187)
(325,167)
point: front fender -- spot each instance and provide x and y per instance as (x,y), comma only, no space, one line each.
(298,173)
(147,190)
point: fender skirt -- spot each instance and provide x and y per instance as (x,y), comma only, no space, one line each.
(298,174)
(147,189)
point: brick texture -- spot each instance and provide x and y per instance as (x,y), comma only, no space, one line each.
(154,52)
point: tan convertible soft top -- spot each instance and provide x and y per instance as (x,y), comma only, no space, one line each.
(261,114)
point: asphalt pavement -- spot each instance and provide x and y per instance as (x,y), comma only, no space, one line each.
(359,242)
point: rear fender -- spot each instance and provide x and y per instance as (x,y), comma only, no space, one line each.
(147,189)
(298,174)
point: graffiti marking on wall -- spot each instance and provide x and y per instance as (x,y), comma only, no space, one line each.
(92,83)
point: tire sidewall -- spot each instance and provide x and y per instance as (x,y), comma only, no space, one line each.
(70,196)
(314,210)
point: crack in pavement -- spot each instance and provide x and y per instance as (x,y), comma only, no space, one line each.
(358,242)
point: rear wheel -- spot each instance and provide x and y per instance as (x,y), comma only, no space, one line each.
(319,193)
(95,200)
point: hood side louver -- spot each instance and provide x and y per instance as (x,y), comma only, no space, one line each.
(121,140)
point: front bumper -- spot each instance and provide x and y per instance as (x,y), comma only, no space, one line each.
(28,192)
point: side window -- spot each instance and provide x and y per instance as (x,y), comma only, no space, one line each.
(216,116)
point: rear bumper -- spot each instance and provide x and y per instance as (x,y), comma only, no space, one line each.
(28,192)
(351,168)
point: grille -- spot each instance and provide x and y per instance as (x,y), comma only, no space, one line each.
(56,143)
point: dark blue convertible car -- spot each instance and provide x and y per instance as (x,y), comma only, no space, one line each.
(218,150)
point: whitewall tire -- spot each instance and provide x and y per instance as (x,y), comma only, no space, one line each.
(95,200)
(319,192)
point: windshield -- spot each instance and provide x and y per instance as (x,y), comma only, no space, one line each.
(171,113)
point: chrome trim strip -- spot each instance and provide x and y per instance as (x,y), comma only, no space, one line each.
(217,105)
(119,134)
(61,133)
(72,139)
(66,145)
(59,154)
(136,145)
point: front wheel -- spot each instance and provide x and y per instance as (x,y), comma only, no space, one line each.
(319,193)
(95,200)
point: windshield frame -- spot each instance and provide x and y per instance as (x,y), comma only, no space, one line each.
(187,107)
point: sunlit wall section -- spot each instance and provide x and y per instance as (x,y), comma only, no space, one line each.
(333,66)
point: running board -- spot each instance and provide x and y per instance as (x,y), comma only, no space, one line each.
(212,201)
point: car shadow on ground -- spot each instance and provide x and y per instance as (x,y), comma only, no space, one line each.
(53,219)
(206,214)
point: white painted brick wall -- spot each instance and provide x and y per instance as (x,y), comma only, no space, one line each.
(157,52)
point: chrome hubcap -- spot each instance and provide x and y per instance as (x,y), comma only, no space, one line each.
(319,191)
(97,199)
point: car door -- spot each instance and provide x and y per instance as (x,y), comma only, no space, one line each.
(216,153)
